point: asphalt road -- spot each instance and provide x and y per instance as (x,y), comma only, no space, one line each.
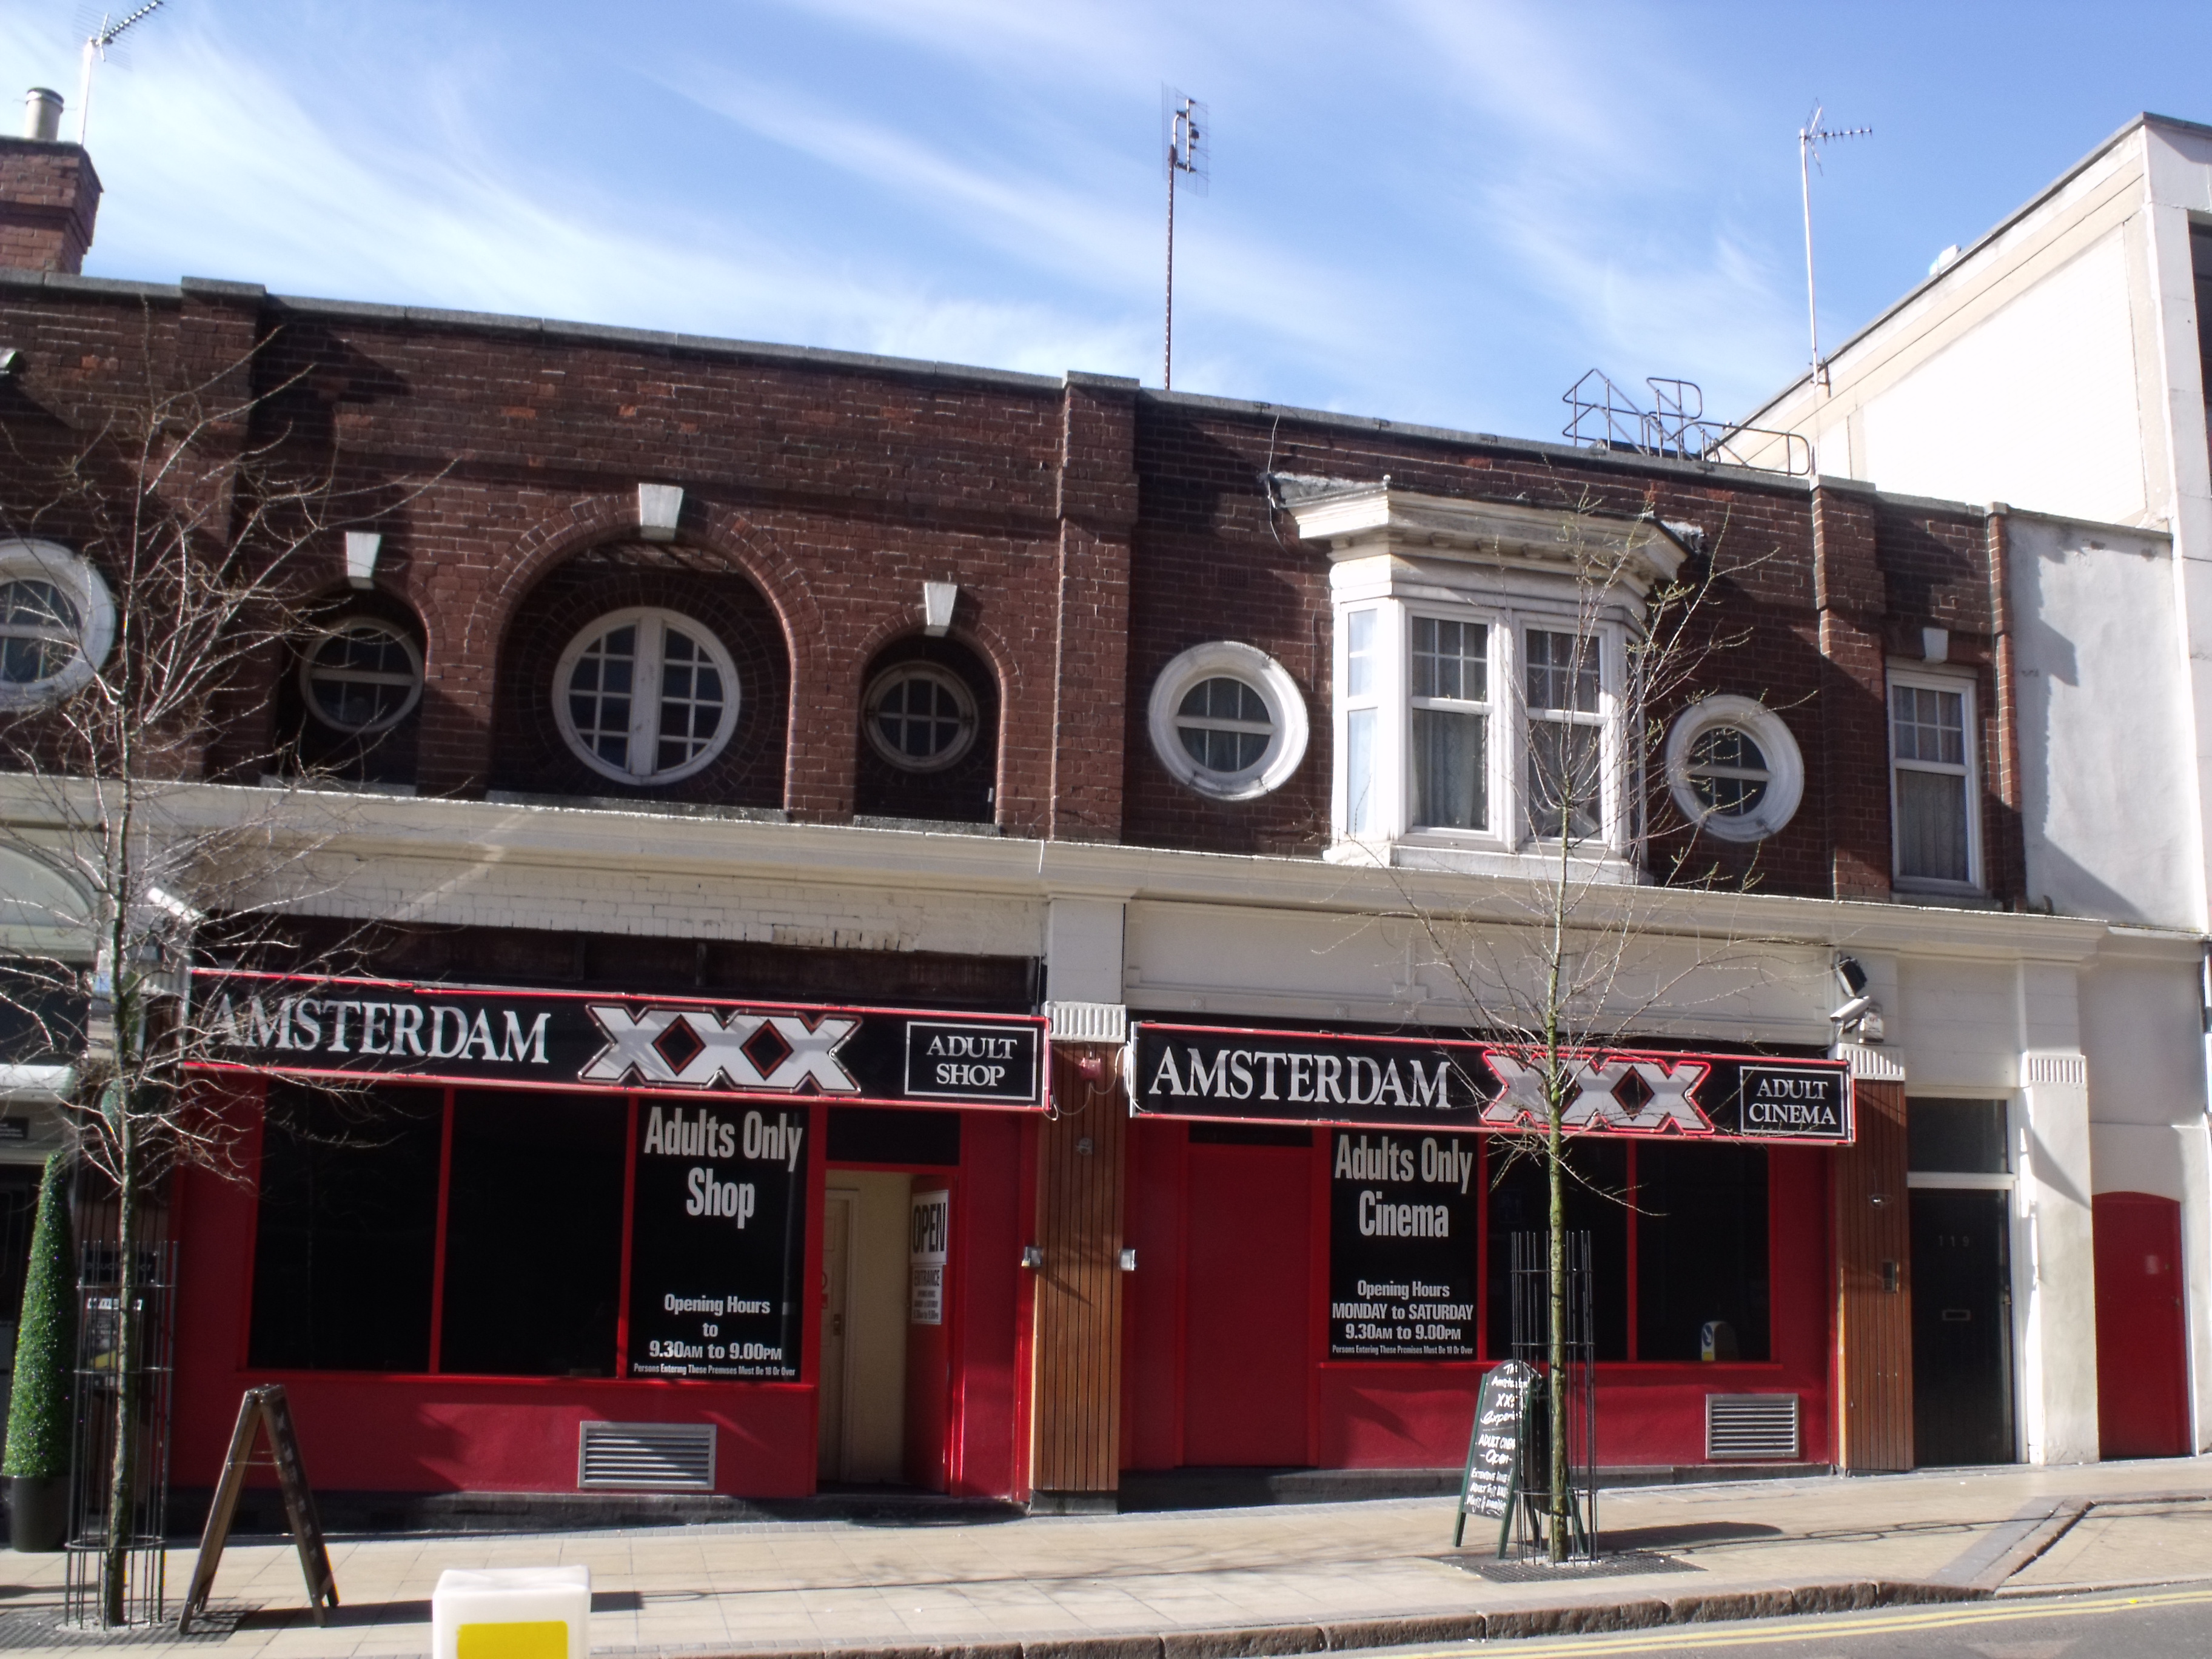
(2144,1624)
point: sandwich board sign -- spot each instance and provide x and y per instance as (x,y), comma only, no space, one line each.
(263,1408)
(1493,1478)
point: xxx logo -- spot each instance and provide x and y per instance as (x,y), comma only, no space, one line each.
(637,1047)
(1603,1092)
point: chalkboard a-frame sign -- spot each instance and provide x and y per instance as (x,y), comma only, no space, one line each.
(264,1409)
(1493,1480)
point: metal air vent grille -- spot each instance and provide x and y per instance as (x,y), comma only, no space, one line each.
(1756,1427)
(646,1456)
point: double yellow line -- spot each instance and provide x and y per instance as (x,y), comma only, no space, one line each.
(1820,1628)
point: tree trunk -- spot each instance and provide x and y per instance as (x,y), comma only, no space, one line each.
(1555,1396)
(123,1470)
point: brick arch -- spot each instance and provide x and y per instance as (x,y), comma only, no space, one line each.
(986,641)
(457,737)
(972,789)
(593,520)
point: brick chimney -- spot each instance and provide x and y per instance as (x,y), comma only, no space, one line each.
(49,194)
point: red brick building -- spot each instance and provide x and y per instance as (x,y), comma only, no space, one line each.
(776,708)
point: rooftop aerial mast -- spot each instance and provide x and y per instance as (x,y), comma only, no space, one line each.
(1810,137)
(1189,157)
(104,34)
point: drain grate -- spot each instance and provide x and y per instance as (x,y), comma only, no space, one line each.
(1751,1427)
(645,1457)
(1619,1564)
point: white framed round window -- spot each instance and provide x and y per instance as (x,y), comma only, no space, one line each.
(57,623)
(362,675)
(645,696)
(1733,769)
(920,717)
(1228,721)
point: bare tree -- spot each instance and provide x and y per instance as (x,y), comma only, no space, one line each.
(1573,960)
(121,694)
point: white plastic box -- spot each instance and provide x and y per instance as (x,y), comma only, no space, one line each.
(512,1613)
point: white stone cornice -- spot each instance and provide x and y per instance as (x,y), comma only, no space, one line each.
(425,841)
(1376,518)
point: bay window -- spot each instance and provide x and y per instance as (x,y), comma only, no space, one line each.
(1481,711)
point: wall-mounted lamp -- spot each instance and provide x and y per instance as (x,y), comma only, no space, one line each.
(362,549)
(1934,645)
(937,602)
(658,507)
(1128,1258)
(1032,1257)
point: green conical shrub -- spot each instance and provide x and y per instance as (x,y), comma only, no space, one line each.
(40,1418)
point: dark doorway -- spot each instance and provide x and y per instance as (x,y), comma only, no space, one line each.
(1961,1327)
(2142,1355)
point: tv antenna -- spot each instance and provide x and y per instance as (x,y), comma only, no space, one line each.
(1810,137)
(1189,155)
(104,34)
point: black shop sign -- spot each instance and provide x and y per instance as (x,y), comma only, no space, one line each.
(1442,1084)
(1405,1212)
(573,1040)
(718,1242)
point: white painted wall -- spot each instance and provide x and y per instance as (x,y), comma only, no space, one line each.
(2037,405)
(471,888)
(1216,959)
(1957,1024)
(2196,1150)
(2139,1023)
(2109,803)
(1083,950)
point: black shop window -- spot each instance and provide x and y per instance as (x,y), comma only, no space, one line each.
(533,1236)
(1701,1257)
(1596,1192)
(345,1245)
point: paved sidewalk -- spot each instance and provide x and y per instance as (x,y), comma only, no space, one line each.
(1209,1585)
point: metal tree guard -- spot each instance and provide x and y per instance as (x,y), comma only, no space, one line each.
(1532,1346)
(99,1330)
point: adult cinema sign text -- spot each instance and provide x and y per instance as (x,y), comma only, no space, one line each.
(339,1027)
(1310,1077)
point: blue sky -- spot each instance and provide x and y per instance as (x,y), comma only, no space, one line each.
(1433,210)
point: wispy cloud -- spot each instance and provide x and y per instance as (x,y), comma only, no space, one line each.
(1425,209)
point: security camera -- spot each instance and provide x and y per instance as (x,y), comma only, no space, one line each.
(1852,1010)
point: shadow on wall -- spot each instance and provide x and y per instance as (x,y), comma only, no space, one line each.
(650,671)
(928,743)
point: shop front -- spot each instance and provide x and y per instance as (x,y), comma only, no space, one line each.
(1324,1225)
(534,1241)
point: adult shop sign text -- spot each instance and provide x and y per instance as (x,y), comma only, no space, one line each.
(574,1040)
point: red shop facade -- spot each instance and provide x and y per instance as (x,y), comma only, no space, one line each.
(1323,1224)
(543,1241)
(527,1241)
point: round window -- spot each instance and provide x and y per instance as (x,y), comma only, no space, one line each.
(1224,725)
(920,717)
(645,696)
(1733,769)
(1228,721)
(57,623)
(362,675)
